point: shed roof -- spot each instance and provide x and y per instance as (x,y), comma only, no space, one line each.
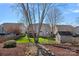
(68,28)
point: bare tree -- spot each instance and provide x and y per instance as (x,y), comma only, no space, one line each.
(42,14)
(54,17)
(33,13)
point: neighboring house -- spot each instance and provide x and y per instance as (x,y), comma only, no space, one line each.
(16,28)
(45,29)
(4,35)
(66,33)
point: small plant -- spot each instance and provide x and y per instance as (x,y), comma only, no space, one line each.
(30,35)
(51,38)
(10,44)
(23,34)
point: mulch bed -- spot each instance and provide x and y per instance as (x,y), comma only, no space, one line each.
(19,50)
(62,50)
(22,50)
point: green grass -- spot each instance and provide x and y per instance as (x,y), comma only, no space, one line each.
(46,41)
(41,40)
(24,40)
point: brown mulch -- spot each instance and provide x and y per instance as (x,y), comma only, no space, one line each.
(19,50)
(23,50)
(62,51)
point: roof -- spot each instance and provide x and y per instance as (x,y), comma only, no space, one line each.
(12,24)
(35,27)
(65,28)
(44,26)
(9,27)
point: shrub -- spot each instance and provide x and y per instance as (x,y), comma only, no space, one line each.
(30,35)
(10,36)
(10,44)
(51,38)
(19,36)
(23,34)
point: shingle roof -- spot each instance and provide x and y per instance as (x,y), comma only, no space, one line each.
(35,27)
(65,28)
(68,28)
(12,24)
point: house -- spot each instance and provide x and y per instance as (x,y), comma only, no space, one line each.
(44,31)
(66,33)
(16,28)
(4,36)
(9,31)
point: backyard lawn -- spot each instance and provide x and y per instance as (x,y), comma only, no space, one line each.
(41,40)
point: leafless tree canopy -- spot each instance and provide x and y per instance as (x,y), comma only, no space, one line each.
(54,17)
(34,13)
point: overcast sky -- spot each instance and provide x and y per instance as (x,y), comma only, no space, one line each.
(70,13)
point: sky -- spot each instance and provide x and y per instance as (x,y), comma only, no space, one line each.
(7,13)
(70,12)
